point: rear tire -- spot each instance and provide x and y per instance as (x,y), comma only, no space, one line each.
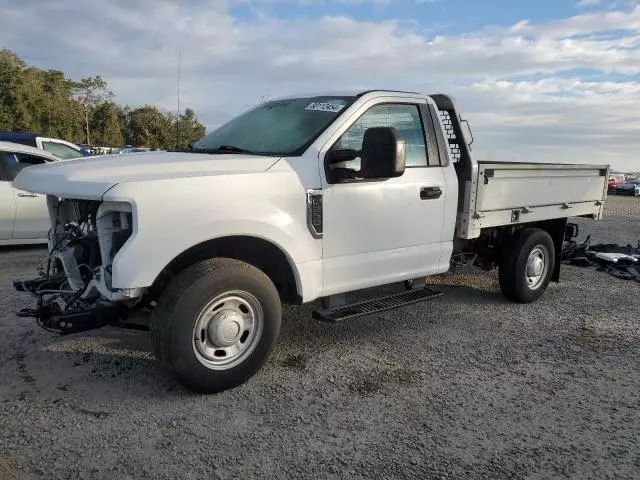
(526,272)
(215,324)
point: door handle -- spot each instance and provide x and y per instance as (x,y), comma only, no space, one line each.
(430,193)
(23,194)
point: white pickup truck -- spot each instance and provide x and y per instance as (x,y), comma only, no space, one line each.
(299,199)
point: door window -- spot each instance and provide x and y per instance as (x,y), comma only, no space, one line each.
(4,174)
(61,150)
(14,162)
(404,118)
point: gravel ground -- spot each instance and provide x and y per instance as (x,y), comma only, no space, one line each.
(465,386)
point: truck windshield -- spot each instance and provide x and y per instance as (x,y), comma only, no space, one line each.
(280,127)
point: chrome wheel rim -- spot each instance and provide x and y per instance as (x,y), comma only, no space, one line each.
(537,267)
(227,330)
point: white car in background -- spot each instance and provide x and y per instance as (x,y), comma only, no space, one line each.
(24,218)
(56,146)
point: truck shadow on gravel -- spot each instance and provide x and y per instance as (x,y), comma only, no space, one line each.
(117,362)
(465,295)
(114,361)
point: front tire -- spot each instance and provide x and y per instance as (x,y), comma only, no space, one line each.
(215,324)
(525,274)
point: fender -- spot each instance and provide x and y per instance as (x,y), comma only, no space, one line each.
(272,209)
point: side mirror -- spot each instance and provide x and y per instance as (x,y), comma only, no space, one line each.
(383,153)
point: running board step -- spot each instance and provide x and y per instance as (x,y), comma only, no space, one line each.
(381,304)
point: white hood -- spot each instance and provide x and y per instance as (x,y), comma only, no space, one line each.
(90,177)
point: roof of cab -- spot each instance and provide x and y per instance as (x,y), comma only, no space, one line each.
(345,93)
(22,135)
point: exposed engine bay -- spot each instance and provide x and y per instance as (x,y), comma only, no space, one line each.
(74,290)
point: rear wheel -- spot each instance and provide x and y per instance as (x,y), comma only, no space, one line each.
(526,272)
(215,324)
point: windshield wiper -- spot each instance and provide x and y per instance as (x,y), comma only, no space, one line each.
(223,149)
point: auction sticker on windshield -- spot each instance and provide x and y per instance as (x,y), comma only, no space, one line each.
(325,107)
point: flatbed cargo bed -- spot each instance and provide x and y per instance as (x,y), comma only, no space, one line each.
(512,193)
(496,194)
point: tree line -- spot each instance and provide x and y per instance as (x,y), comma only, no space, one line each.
(83,112)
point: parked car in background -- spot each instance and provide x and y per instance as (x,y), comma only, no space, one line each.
(91,150)
(630,187)
(55,146)
(615,179)
(24,217)
(130,149)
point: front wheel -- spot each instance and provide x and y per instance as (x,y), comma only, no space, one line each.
(215,324)
(526,272)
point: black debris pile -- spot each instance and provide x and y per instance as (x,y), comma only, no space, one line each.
(617,260)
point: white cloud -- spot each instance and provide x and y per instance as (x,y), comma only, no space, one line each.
(566,120)
(229,62)
(589,3)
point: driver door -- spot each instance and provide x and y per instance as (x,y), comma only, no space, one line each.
(7,203)
(381,231)
(31,215)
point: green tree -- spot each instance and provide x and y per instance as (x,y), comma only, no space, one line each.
(107,121)
(89,93)
(62,112)
(46,102)
(187,129)
(14,113)
(148,127)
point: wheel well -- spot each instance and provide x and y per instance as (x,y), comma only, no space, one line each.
(556,228)
(492,245)
(255,251)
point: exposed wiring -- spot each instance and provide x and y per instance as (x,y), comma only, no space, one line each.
(59,291)
(110,212)
(77,267)
(53,230)
(41,264)
(73,233)
(27,290)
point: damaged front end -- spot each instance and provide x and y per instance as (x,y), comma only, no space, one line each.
(74,290)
